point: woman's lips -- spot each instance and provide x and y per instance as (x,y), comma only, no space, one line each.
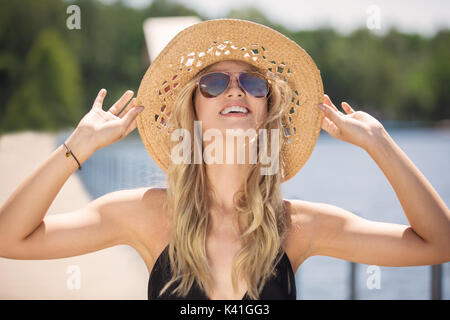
(237,114)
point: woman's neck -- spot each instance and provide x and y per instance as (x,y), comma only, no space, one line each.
(226,180)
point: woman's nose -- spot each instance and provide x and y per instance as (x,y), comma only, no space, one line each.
(234,88)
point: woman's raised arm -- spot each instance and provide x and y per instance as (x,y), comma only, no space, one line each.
(23,212)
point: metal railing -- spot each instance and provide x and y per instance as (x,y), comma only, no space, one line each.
(435,282)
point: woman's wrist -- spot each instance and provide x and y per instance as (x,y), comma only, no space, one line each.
(377,139)
(81,145)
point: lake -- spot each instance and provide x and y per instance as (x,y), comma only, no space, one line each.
(336,173)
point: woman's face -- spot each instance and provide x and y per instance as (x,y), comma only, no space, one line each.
(208,109)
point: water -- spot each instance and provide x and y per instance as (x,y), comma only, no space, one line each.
(336,173)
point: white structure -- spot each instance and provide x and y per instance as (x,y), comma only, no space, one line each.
(159,31)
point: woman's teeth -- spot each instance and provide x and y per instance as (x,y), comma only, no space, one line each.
(234,109)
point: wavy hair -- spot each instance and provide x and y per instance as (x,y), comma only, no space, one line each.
(262,218)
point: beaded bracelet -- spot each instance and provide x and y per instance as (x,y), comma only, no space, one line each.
(69,152)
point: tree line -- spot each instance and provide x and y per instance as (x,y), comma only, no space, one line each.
(50,75)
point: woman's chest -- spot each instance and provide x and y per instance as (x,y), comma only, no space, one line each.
(222,249)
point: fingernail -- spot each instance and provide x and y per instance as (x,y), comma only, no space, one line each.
(321,106)
(140,109)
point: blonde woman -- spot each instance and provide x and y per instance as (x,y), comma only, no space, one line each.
(223,230)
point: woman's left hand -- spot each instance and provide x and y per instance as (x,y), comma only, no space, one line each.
(355,127)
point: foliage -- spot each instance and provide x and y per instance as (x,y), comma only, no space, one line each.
(49,75)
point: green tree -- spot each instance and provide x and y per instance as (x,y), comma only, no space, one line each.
(47,72)
(438,74)
(50,96)
(20,24)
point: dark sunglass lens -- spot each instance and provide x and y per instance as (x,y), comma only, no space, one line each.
(213,84)
(254,84)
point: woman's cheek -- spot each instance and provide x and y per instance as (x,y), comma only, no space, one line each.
(262,114)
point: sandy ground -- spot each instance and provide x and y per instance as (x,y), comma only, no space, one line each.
(113,273)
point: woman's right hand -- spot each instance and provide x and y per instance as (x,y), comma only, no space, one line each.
(106,127)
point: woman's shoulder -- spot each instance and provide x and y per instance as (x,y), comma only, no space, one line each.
(152,205)
(153,195)
(302,211)
(304,215)
(146,201)
(298,209)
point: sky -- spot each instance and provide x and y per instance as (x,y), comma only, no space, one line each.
(411,16)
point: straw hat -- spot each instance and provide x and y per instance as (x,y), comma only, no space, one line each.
(211,41)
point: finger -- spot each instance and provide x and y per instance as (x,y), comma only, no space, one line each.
(330,127)
(132,126)
(127,108)
(99,99)
(131,116)
(117,107)
(331,114)
(347,107)
(330,103)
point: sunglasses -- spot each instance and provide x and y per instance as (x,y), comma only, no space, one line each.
(213,84)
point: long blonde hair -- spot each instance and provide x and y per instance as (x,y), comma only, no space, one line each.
(259,205)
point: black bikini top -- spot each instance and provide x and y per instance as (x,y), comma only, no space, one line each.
(279,287)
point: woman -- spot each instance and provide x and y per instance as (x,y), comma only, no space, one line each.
(222,230)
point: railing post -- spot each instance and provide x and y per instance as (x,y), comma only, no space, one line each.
(436,282)
(352,285)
